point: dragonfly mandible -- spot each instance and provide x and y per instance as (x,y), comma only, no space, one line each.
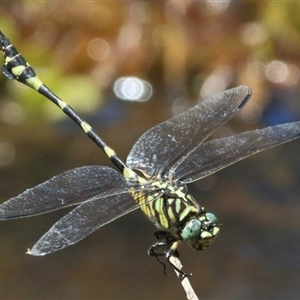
(154,178)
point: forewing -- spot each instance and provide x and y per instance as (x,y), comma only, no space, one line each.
(83,220)
(66,189)
(217,154)
(164,145)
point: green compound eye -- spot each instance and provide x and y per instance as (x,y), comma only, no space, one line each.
(212,218)
(191,231)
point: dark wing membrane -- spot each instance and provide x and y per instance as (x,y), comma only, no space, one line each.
(220,153)
(163,145)
(83,220)
(66,189)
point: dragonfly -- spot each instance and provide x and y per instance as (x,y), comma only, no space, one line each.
(160,165)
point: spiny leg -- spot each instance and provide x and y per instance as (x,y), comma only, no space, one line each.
(16,67)
(152,252)
(168,244)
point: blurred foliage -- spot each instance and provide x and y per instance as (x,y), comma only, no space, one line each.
(186,50)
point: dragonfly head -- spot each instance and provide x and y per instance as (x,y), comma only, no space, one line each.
(201,231)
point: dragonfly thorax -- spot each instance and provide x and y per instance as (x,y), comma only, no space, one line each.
(174,210)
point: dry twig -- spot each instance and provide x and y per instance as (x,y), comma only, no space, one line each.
(190,293)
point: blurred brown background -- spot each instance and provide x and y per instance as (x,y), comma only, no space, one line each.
(186,51)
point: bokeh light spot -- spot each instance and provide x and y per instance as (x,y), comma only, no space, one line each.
(12,113)
(132,89)
(98,49)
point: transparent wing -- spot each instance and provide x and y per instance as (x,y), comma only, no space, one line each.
(83,220)
(218,154)
(66,189)
(165,144)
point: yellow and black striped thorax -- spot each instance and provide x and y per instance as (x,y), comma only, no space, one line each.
(167,206)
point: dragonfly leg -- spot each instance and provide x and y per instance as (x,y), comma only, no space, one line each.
(173,252)
(166,246)
(161,247)
(152,252)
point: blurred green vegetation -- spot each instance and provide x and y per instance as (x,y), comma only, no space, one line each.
(186,50)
